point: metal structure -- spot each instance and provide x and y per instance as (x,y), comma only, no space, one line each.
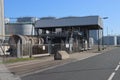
(72,30)
(27,19)
(22,26)
(94,21)
(94,35)
(19,29)
(21,46)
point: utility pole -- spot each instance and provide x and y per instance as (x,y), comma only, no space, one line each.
(2,27)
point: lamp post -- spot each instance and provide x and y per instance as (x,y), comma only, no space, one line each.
(103,33)
(2,29)
(99,40)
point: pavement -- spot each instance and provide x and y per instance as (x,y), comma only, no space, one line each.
(21,69)
(105,66)
(5,74)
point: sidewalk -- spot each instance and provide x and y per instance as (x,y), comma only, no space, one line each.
(5,74)
(34,66)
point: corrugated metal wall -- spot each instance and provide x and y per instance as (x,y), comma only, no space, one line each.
(19,28)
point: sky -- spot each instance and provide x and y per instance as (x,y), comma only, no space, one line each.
(64,8)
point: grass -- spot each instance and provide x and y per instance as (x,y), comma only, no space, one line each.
(0,62)
(17,60)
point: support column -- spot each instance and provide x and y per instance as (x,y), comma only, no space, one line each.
(102,40)
(98,40)
(88,39)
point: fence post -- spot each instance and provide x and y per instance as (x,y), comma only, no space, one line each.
(30,50)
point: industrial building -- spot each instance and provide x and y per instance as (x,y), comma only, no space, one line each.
(94,35)
(27,19)
(118,40)
(19,28)
(22,26)
(69,33)
(111,40)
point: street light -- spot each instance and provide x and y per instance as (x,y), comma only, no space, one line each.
(99,40)
(105,18)
(103,33)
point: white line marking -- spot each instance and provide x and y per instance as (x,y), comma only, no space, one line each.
(117,67)
(111,76)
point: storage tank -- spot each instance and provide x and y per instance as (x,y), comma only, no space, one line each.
(19,29)
(25,45)
(27,19)
(2,31)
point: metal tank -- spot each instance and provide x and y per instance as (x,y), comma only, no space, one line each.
(27,19)
(26,46)
(19,29)
(2,19)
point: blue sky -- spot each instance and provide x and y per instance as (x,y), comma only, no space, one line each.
(63,8)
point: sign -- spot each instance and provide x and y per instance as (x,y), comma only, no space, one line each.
(43,47)
(67,45)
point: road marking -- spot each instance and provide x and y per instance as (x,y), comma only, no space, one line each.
(117,67)
(111,76)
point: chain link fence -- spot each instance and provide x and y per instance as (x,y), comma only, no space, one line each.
(36,50)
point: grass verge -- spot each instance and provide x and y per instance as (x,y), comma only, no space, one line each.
(17,60)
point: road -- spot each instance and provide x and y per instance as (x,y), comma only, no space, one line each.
(105,66)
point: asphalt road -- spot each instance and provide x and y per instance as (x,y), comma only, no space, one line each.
(101,67)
